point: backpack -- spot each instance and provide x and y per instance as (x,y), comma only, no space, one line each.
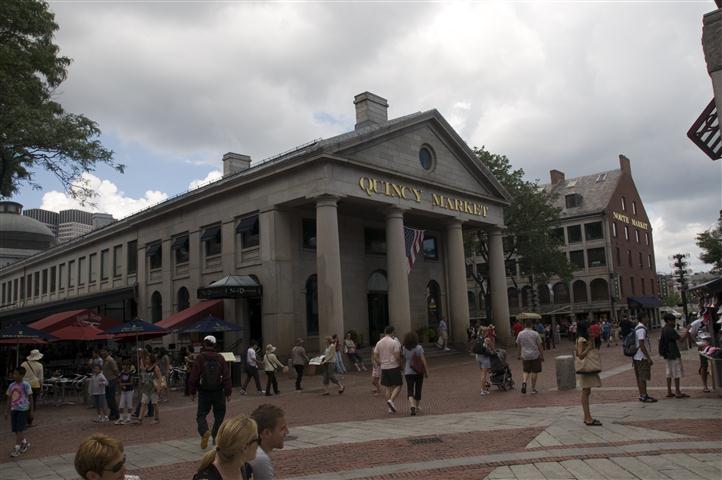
(211,374)
(629,345)
(479,347)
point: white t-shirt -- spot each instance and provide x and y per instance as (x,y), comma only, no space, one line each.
(262,466)
(529,342)
(696,327)
(251,358)
(388,350)
(641,333)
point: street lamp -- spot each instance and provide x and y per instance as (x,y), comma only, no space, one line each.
(680,269)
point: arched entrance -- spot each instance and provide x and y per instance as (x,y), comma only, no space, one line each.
(433,303)
(378,304)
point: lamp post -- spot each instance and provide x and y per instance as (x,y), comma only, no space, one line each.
(681,271)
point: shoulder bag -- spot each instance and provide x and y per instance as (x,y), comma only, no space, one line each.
(590,364)
(417,364)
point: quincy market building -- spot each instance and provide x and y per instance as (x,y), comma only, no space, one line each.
(306,244)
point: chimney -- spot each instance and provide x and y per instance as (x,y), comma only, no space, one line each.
(370,110)
(235,162)
(624,164)
(556,176)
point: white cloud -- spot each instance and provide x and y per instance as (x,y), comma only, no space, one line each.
(108,199)
(212,176)
(668,242)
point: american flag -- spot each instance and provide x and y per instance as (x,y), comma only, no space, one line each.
(413,239)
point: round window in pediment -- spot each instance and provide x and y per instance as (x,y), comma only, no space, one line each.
(426,158)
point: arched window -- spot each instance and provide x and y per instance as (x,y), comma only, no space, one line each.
(544,298)
(156,307)
(526,296)
(183,299)
(600,290)
(561,293)
(579,288)
(512,294)
(312,306)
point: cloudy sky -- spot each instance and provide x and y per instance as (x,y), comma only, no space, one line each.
(565,85)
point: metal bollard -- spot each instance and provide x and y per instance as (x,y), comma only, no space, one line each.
(566,375)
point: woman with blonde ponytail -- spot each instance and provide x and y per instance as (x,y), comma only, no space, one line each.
(236,445)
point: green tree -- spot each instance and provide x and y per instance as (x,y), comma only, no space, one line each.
(35,131)
(530,236)
(672,299)
(710,241)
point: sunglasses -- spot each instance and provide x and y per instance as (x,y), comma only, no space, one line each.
(117,467)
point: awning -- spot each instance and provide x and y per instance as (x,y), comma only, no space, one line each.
(193,314)
(179,242)
(56,321)
(210,233)
(232,286)
(712,286)
(248,224)
(644,302)
(152,250)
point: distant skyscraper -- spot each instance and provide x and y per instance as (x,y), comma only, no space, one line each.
(69,224)
(50,219)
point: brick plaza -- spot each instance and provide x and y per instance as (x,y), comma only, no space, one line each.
(459,434)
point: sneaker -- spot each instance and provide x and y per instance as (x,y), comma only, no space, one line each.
(391,405)
(204,439)
(447,349)
(243,392)
(119,422)
(413,411)
(533,391)
(105,419)
(15,452)
(261,392)
(125,421)
(156,421)
(523,388)
(24,446)
(484,392)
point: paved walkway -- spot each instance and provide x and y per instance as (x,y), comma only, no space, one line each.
(563,436)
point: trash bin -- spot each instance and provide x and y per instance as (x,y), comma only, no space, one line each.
(715,371)
(566,375)
(236,374)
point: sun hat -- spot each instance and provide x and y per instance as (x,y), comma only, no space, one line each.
(210,339)
(35,355)
(270,348)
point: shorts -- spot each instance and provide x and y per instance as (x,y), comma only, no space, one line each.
(391,377)
(674,368)
(19,420)
(99,401)
(531,366)
(483,361)
(642,370)
(703,364)
(152,398)
(126,400)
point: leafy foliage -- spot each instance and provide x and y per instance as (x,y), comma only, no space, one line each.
(530,221)
(35,130)
(710,241)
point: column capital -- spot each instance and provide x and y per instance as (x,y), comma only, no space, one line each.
(454,223)
(393,211)
(495,231)
(327,201)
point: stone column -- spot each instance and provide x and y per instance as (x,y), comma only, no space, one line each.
(328,269)
(397,273)
(497,278)
(458,300)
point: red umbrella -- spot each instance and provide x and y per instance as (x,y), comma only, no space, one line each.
(85,332)
(23,341)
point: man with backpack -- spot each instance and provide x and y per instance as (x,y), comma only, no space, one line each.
(636,345)
(211,379)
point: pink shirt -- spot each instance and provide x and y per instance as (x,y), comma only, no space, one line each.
(388,351)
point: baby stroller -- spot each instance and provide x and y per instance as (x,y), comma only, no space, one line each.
(500,373)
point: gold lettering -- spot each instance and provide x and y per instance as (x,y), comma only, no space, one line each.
(417,194)
(365,184)
(476,209)
(450,204)
(387,189)
(486,210)
(437,200)
(397,190)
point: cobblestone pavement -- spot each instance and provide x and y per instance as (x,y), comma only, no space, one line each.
(457,436)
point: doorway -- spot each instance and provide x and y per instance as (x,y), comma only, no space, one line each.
(378,305)
(255,319)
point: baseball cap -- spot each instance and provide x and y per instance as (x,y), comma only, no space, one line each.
(210,339)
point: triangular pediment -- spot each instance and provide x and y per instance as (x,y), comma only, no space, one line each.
(397,149)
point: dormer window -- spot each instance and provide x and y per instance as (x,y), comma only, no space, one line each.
(572,200)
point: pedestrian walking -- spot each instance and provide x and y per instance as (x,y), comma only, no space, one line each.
(299,359)
(164,364)
(387,353)
(270,365)
(699,330)
(607,332)
(272,430)
(531,353)
(98,383)
(595,331)
(516,327)
(125,383)
(340,366)
(443,332)
(588,365)
(252,369)
(34,375)
(573,331)
(149,385)
(642,359)
(329,364)
(669,350)
(350,349)
(415,369)
(111,372)
(375,377)
(211,380)
(236,445)
(483,350)
(19,400)
(100,457)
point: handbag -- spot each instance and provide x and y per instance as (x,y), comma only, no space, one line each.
(590,364)
(417,365)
